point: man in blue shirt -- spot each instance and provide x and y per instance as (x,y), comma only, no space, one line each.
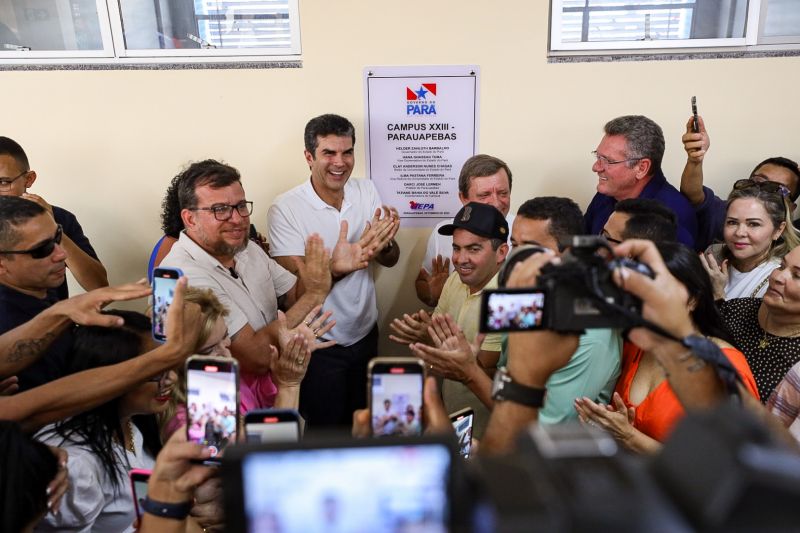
(628,165)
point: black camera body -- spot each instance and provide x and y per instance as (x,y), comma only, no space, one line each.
(576,294)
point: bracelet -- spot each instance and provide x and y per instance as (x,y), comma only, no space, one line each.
(176,511)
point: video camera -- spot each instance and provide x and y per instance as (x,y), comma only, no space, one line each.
(578,293)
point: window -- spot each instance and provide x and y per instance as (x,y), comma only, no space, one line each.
(586,26)
(147,30)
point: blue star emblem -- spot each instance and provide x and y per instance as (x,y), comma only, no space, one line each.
(421,93)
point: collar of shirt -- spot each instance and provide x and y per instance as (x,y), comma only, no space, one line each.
(318,203)
(205,259)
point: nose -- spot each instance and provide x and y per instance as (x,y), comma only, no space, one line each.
(170,378)
(597,166)
(59,254)
(741,230)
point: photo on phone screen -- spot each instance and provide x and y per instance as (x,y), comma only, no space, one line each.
(164,281)
(272,425)
(212,401)
(512,310)
(396,396)
(462,424)
(139,478)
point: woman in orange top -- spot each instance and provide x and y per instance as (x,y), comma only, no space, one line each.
(645,409)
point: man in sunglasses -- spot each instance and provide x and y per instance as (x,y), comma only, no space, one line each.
(628,165)
(16,177)
(32,267)
(214,251)
(709,207)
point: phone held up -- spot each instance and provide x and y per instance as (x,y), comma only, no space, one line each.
(695,123)
(463,421)
(164,281)
(395,395)
(272,425)
(139,478)
(212,402)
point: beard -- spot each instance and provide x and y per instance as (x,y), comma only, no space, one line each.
(219,247)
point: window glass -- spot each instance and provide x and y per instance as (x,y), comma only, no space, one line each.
(49,25)
(783,18)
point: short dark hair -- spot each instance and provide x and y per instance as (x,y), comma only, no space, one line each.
(789,165)
(14,211)
(644,137)
(480,166)
(648,219)
(12,148)
(208,172)
(564,215)
(328,124)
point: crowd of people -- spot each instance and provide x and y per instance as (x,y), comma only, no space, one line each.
(89,395)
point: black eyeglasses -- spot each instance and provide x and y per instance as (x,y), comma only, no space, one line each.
(44,249)
(766,186)
(223,212)
(6,183)
(610,239)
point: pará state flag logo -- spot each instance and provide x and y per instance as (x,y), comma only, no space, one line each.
(421,101)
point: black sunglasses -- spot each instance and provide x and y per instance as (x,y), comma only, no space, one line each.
(44,249)
(766,186)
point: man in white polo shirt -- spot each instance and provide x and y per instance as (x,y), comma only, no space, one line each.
(484,179)
(349,217)
(214,251)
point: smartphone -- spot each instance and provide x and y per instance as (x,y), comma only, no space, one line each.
(695,123)
(164,281)
(395,395)
(463,421)
(512,310)
(139,478)
(212,402)
(272,425)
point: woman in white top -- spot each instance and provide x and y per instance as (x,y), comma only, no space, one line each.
(105,443)
(758,232)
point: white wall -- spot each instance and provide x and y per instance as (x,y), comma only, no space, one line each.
(105,144)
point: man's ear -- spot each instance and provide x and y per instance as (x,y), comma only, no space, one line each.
(4,259)
(502,252)
(30,179)
(187,216)
(643,168)
(309,157)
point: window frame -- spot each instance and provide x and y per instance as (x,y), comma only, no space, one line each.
(115,51)
(755,19)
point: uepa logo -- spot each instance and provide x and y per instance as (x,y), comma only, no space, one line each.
(419,102)
(416,206)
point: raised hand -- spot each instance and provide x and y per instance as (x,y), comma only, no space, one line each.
(696,144)
(314,268)
(454,357)
(348,257)
(411,328)
(717,272)
(85,309)
(380,230)
(435,279)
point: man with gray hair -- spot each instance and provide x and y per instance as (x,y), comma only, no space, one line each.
(628,165)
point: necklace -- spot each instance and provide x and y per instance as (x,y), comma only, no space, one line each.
(767,337)
(131,446)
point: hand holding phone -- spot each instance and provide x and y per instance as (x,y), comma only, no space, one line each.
(395,395)
(212,401)
(164,281)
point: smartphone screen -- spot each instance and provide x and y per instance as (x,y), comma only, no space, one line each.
(164,281)
(272,425)
(462,425)
(139,480)
(395,391)
(212,401)
(512,310)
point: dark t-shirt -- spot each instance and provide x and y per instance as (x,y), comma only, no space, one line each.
(16,308)
(74,231)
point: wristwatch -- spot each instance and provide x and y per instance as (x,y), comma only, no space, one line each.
(504,388)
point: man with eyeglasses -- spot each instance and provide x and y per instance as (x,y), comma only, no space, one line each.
(16,177)
(214,252)
(628,165)
(32,267)
(709,207)
(349,216)
(640,218)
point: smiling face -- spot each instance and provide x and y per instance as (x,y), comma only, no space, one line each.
(152,396)
(30,275)
(474,259)
(493,190)
(618,180)
(220,238)
(749,232)
(331,165)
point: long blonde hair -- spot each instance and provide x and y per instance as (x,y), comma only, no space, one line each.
(212,310)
